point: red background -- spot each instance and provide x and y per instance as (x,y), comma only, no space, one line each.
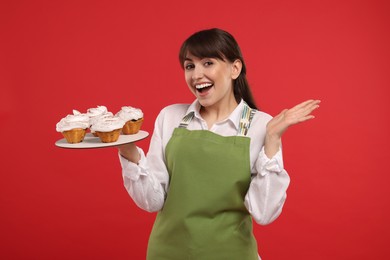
(62,55)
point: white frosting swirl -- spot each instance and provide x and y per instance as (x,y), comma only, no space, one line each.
(93,120)
(77,120)
(97,111)
(107,124)
(128,113)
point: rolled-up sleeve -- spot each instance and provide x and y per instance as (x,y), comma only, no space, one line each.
(131,170)
(267,191)
(147,181)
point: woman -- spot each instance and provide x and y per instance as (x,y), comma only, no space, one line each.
(212,165)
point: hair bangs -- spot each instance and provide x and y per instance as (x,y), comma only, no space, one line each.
(201,46)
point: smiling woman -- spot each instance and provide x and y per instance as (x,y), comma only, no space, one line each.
(70,203)
(219,46)
(212,165)
(211,81)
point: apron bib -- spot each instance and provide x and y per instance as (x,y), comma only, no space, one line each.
(204,216)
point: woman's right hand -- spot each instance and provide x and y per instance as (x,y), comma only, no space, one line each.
(130,152)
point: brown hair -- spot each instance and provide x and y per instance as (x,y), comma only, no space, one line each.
(219,44)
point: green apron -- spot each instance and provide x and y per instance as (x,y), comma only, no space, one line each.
(204,216)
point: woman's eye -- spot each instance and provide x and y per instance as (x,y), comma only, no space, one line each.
(208,63)
(189,66)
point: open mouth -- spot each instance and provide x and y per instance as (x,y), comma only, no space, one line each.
(203,87)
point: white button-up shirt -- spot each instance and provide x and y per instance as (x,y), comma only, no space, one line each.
(148,181)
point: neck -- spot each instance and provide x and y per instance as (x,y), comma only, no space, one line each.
(218,112)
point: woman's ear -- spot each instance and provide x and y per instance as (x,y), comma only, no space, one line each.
(236,68)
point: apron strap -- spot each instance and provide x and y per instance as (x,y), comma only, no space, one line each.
(245,120)
(186,120)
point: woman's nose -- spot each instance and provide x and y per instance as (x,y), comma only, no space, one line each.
(197,73)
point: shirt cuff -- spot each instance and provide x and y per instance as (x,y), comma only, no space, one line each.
(266,165)
(132,170)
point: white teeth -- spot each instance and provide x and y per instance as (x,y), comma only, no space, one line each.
(204,85)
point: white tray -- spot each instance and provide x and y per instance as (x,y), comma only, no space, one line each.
(91,141)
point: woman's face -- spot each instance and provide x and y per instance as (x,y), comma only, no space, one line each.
(211,79)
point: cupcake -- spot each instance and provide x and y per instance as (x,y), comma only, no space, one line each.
(73,127)
(95,113)
(133,118)
(108,128)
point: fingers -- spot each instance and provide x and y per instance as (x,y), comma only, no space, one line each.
(305,118)
(306,104)
(306,107)
(288,117)
(312,106)
(302,112)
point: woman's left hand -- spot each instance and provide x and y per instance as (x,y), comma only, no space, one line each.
(288,117)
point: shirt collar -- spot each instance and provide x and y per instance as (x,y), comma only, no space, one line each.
(234,117)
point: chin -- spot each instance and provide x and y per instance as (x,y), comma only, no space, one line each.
(205,103)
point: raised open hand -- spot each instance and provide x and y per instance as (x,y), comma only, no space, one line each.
(288,117)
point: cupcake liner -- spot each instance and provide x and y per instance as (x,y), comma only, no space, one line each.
(75,135)
(132,127)
(109,137)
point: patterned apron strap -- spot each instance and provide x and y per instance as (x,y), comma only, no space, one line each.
(186,120)
(246,119)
